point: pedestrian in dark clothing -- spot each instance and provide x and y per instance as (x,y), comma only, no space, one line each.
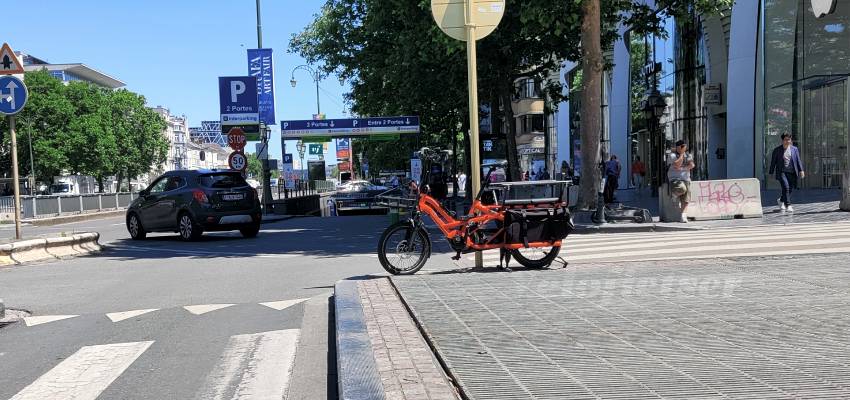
(787,166)
(612,176)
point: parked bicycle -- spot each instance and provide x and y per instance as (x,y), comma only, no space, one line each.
(524,220)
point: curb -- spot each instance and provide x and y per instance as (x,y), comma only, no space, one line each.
(632,228)
(73,218)
(357,372)
(55,248)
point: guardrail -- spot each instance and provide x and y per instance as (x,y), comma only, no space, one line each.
(302,188)
(52,206)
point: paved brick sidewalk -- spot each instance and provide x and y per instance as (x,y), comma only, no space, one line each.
(767,328)
(404,361)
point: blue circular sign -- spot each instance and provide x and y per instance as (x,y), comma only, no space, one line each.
(13,95)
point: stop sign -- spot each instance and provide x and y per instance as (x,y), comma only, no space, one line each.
(236,139)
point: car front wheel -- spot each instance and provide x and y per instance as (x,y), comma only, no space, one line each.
(188,229)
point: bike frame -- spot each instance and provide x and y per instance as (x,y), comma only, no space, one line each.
(479,215)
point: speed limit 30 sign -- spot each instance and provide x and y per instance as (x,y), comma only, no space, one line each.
(237,161)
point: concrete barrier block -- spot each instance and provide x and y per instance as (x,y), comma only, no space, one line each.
(719,199)
(61,247)
(87,242)
(30,250)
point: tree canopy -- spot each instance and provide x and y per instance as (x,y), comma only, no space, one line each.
(80,128)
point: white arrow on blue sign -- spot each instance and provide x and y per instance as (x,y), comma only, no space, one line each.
(13,95)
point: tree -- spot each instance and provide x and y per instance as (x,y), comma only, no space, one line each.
(255,166)
(85,129)
(599,30)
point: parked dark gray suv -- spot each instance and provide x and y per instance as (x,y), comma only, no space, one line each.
(191,202)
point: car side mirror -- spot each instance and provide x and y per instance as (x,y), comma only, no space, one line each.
(145,193)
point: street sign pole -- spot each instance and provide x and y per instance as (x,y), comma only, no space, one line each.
(15,177)
(479,18)
(472,65)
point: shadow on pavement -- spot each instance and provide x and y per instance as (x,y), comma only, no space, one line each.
(313,237)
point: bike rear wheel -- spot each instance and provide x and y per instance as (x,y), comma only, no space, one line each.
(536,257)
(399,257)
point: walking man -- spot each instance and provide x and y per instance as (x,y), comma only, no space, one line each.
(787,165)
(612,175)
(680,163)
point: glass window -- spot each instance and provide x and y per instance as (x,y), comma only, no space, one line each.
(804,66)
(159,186)
(224,180)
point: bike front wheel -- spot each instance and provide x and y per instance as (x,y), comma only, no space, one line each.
(536,257)
(400,255)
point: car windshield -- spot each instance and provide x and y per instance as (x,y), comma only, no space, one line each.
(223,181)
(60,188)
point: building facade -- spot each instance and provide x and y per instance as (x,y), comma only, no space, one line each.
(177,132)
(732,84)
(69,72)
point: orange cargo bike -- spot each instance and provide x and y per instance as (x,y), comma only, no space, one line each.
(526,221)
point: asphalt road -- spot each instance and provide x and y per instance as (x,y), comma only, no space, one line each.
(224,317)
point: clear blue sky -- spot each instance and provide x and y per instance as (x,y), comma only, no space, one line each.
(173,52)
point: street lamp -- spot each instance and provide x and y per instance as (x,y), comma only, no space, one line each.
(300,147)
(653,108)
(316,78)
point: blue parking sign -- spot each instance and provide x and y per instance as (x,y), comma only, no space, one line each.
(238,100)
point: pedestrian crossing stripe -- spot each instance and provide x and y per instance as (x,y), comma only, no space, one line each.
(710,243)
(256,366)
(252,366)
(85,374)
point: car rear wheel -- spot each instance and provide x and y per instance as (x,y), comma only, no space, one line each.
(250,231)
(134,227)
(188,229)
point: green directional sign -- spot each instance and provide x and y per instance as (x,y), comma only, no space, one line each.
(316,149)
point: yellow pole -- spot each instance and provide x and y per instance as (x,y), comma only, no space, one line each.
(15,178)
(473,105)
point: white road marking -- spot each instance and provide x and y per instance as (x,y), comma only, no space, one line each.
(720,250)
(205,308)
(255,367)
(33,321)
(280,305)
(85,374)
(120,316)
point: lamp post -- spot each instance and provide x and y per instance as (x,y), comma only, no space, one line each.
(653,109)
(300,147)
(316,78)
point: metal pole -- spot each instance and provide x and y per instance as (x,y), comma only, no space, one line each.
(259,28)
(266,178)
(473,105)
(318,106)
(15,177)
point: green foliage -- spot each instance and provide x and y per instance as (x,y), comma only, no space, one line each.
(80,128)
(398,62)
(255,166)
